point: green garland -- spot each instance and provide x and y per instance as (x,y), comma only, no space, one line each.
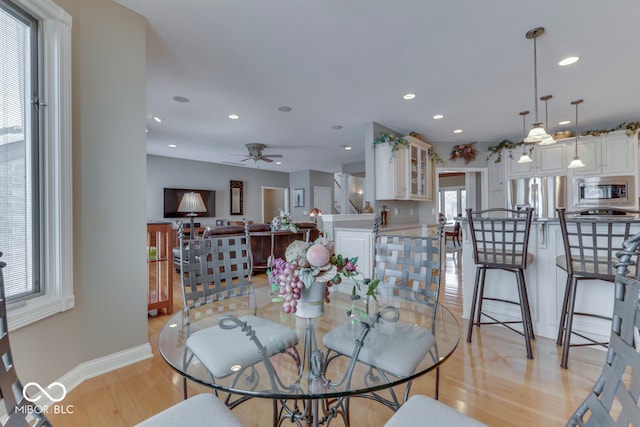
(630,129)
(388,138)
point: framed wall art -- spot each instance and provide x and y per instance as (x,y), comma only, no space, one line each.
(298,197)
(236,202)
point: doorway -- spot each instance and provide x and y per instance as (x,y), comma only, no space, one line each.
(476,186)
(274,200)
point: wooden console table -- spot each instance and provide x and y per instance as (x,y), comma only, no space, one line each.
(159,267)
(273,243)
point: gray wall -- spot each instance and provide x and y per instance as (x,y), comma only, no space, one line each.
(307,180)
(180,173)
(109,187)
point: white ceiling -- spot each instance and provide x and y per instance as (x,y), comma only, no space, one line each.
(348,63)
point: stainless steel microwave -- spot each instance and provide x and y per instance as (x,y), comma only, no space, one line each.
(604,191)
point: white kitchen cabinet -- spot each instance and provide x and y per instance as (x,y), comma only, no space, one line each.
(612,154)
(405,174)
(551,159)
(356,243)
(513,169)
(547,160)
(390,172)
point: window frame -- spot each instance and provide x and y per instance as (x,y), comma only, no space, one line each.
(56,202)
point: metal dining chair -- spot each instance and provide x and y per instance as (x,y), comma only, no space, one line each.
(393,347)
(18,409)
(422,411)
(500,238)
(200,410)
(219,269)
(590,245)
(613,401)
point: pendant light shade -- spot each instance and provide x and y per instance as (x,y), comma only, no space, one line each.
(537,132)
(576,162)
(524,157)
(549,139)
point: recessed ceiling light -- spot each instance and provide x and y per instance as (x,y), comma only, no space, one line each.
(409,96)
(278,163)
(233,116)
(172,145)
(564,122)
(157,119)
(458,131)
(438,116)
(568,61)
(180,99)
(347,148)
(336,127)
(284,109)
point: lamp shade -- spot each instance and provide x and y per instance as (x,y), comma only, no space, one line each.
(576,163)
(192,202)
(524,158)
(547,141)
(536,134)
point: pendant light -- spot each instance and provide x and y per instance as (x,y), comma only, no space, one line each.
(524,157)
(576,162)
(549,139)
(537,132)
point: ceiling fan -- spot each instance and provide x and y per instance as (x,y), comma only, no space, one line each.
(255,153)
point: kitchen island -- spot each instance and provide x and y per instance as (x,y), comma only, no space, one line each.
(354,237)
(545,286)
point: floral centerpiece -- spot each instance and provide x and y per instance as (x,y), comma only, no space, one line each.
(283,222)
(306,264)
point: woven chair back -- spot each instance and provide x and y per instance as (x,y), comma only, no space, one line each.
(591,241)
(500,237)
(614,398)
(217,268)
(409,261)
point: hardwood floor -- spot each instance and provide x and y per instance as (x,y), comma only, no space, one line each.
(489,379)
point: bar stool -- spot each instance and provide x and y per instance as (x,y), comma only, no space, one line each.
(500,239)
(590,245)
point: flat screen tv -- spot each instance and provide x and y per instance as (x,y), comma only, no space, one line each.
(172,197)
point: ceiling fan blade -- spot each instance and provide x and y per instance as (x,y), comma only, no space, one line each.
(245,159)
(273,155)
(265,159)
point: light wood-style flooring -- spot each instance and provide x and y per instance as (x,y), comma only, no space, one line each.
(489,379)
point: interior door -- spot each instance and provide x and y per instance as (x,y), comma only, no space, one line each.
(322,199)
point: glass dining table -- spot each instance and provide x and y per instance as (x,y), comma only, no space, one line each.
(309,384)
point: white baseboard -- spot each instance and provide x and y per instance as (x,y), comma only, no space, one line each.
(99,366)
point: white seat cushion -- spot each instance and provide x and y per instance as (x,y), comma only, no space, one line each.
(200,410)
(422,411)
(219,349)
(394,347)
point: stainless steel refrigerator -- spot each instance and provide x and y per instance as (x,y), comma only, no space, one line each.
(544,194)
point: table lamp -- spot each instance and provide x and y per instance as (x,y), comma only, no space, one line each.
(315,213)
(192,202)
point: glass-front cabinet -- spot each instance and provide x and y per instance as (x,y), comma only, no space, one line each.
(421,170)
(406,174)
